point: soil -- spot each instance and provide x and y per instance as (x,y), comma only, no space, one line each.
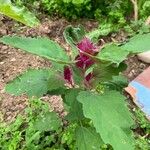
(13,62)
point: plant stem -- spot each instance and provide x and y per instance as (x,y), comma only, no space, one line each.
(147,21)
(135,6)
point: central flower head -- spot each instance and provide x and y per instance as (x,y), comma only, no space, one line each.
(87,46)
(83,60)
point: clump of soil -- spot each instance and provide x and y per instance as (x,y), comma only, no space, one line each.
(135,67)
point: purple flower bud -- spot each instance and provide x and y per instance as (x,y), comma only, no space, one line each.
(68,75)
(83,61)
(87,46)
(89,77)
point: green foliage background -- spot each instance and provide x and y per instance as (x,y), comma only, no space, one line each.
(114,10)
(21,14)
(73,9)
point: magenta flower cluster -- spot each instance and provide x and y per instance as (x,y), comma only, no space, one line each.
(83,60)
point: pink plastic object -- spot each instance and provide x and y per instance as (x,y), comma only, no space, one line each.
(139,89)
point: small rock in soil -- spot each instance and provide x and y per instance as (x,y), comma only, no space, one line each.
(145,57)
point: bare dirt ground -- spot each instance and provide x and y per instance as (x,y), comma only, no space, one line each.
(13,62)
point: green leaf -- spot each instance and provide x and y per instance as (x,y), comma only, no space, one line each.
(77,75)
(78,2)
(103,30)
(113,53)
(87,139)
(137,44)
(110,117)
(75,111)
(40,46)
(20,14)
(35,83)
(73,36)
(117,54)
(47,122)
(105,72)
(117,83)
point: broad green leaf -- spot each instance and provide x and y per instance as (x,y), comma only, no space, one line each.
(47,122)
(117,54)
(77,75)
(57,66)
(113,53)
(110,117)
(105,72)
(35,83)
(60,91)
(20,14)
(87,139)
(75,111)
(137,44)
(74,35)
(117,83)
(40,46)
